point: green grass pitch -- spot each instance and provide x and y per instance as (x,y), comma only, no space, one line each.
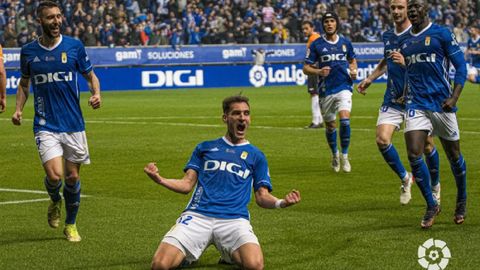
(344,221)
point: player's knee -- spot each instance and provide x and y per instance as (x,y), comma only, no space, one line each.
(161,263)
(54,176)
(72,177)
(382,142)
(253,264)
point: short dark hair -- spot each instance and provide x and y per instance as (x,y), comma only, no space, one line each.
(227,102)
(310,23)
(46,4)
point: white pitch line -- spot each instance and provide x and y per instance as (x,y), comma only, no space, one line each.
(31,192)
(25,201)
(110,122)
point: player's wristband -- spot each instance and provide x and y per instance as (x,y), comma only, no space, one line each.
(278,203)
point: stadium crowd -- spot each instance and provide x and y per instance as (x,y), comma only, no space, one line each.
(180,22)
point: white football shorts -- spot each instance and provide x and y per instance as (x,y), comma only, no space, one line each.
(71,145)
(390,116)
(194,232)
(331,104)
(443,125)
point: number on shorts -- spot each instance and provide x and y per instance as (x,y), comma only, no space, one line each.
(384,108)
(38,141)
(185,220)
(411,113)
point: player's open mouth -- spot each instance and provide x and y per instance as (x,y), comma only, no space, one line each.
(241,127)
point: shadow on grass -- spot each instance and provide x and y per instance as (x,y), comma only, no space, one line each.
(33,239)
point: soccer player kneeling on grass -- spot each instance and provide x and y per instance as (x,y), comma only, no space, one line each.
(223,172)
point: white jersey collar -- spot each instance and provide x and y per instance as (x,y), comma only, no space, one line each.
(54,46)
(403,32)
(421,32)
(331,42)
(231,144)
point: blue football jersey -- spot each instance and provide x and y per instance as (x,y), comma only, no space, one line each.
(427,56)
(474,58)
(53,75)
(226,174)
(396,73)
(334,55)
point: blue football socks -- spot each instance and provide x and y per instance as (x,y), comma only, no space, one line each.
(390,155)
(72,201)
(53,189)
(459,169)
(344,134)
(422,178)
(332,139)
(433,163)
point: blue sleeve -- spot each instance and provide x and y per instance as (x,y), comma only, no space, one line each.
(350,52)
(455,55)
(312,55)
(261,175)
(24,64)
(83,64)
(195,162)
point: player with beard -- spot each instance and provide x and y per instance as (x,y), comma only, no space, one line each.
(431,103)
(51,64)
(223,172)
(392,112)
(337,68)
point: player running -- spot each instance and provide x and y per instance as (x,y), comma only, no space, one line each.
(51,64)
(312,80)
(473,52)
(392,112)
(431,103)
(223,172)
(335,57)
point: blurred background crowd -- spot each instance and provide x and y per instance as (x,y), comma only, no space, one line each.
(180,22)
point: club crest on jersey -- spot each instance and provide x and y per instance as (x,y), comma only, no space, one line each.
(344,48)
(64,57)
(244,155)
(427,41)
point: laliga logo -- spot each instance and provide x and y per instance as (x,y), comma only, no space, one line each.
(259,76)
(434,254)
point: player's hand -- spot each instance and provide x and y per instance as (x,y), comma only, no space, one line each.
(152,171)
(292,198)
(3,104)
(363,85)
(449,104)
(17,118)
(353,74)
(397,58)
(95,101)
(324,71)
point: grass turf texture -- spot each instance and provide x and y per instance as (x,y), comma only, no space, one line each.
(345,221)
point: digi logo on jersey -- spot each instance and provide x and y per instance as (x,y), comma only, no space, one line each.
(421,58)
(213,165)
(169,78)
(333,57)
(50,77)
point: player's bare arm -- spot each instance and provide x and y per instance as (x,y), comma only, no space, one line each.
(312,70)
(94,85)
(379,70)
(184,185)
(451,102)
(22,96)
(352,65)
(265,199)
